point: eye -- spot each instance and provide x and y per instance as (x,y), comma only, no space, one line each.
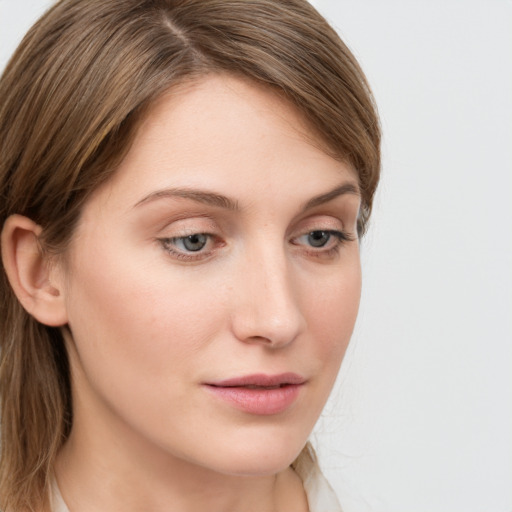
(191,243)
(191,247)
(318,238)
(321,238)
(322,243)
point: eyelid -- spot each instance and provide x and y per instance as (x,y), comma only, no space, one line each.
(186,225)
(319,222)
(331,221)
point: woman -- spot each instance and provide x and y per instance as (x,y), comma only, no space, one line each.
(184,185)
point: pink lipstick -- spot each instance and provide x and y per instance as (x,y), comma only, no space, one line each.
(259,394)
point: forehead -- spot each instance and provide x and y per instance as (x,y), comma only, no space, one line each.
(225,133)
(232,90)
(230,105)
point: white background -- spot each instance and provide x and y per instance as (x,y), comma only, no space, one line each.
(422,418)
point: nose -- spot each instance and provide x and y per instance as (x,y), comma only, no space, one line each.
(266,306)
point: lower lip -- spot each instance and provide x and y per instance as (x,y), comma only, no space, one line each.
(258,401)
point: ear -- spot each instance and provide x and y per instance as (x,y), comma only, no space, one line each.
(30,272)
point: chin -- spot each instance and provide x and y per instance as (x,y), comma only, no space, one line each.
(256,459)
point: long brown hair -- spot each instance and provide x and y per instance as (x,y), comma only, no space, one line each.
(71,99)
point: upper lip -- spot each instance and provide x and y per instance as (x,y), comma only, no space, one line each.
(260,380)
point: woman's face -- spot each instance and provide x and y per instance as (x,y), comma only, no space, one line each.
(213,283)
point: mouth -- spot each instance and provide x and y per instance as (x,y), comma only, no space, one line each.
(261,387)
(262,381)
(259,394)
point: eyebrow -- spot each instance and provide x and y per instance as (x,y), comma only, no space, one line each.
(221,201)
(345,188)
(200,196)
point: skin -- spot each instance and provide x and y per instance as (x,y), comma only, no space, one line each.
(149,322)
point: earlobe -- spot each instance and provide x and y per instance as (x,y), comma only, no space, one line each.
(30,273)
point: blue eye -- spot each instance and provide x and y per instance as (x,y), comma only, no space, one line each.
(188,246)
(318,238)
(191,243)
(323,242)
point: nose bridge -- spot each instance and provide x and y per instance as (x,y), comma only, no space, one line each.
(267,309)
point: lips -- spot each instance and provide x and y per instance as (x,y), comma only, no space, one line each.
(261,380)
(259,394)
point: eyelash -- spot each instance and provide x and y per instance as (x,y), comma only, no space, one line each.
(341,238)
(169,244)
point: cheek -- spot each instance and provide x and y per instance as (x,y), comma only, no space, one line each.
(141,316)
(332,312)
(142,335)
